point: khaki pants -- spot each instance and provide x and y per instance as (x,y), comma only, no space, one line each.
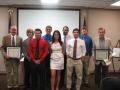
(12,72)
(77,64)
(85,69)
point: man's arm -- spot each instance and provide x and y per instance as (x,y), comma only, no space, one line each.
(68,48)
(91,47)
(63,48)
(45,51)
(3,48)
(31,51)
(83,49)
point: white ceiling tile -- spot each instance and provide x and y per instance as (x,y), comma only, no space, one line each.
(65,3)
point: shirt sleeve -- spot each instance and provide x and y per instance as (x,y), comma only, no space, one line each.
(84,49)
(30,52)
(45,51)
(68,48)
(91,47)
(3,47)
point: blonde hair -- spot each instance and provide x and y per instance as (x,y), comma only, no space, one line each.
(30,30)
(101,28)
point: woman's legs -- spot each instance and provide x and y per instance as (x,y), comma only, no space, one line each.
(53,75)
(58,79)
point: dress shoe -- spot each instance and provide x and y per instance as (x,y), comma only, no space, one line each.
(68,89)
(86,85)
(16,88)
(10,88)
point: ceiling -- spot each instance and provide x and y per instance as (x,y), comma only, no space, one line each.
(62,4)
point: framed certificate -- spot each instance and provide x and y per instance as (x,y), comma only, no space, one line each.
(116,52)
(101,54)
(14,52)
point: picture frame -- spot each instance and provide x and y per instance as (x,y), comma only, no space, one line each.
(101,54)
(14,52)
(116,52)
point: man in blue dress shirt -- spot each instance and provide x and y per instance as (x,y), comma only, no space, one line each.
(89,44)
(48,38)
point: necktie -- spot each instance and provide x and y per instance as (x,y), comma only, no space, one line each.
(65,44)
(37,49)
(75,49)
(13,41)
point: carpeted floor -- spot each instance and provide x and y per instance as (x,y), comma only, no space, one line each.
(91,82)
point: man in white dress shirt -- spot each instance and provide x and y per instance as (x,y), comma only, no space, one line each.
(76,51)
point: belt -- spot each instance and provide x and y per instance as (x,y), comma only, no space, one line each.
(74,58)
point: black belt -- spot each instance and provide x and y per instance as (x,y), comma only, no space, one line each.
(74,58)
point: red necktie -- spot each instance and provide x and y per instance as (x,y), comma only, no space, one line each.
(75,49)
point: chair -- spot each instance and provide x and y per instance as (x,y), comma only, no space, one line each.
(110,83)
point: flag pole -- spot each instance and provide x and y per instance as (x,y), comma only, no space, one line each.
(10,12)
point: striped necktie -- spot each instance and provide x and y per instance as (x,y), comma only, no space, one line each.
(13,41)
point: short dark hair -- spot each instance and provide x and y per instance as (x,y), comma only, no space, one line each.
(37,29)
(65,27)
(76,29)
(48,27)
(84,28)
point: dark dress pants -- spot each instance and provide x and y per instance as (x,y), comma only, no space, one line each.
(101,72)
(27,73)
(38,76)
(63,73)
(47,63)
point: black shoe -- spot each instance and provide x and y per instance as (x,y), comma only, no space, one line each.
(86,85)
(10,88)
(68,89)
(27,88)
(16,88)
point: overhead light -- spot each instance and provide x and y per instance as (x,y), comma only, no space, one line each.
(49,1)
(116,3)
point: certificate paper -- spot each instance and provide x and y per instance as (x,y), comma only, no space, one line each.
(116,52)
(101,54)
(14,52)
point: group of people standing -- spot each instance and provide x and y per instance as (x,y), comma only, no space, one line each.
(49,60)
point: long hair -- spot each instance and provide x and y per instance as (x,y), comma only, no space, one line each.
(59,39)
